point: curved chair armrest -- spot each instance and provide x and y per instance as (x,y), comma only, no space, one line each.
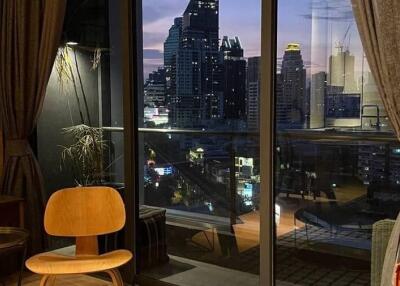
(381,232)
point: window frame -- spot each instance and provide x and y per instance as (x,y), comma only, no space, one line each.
(131,12)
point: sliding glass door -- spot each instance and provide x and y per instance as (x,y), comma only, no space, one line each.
(336,170)
(198,140)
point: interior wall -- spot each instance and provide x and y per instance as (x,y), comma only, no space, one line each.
(60,110)
(116,112)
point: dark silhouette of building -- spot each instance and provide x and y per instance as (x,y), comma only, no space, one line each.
(291,106)
(317,100)
(155,88)
(234,106)
(171,48)
(173,42)
(197,67)
(253,92)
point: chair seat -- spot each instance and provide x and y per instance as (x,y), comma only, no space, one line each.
(56,264)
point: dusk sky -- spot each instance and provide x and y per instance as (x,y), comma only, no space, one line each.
(316,24)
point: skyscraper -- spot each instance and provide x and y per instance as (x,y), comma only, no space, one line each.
(173,42)
(198,67)
(234,102)
(317,100)
(291,102)
(155,89)
(171,47)
(253,93)
(341,70)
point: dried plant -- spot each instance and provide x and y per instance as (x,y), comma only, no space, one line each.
(63,67)
(96,58)
(66,77)
(85,155)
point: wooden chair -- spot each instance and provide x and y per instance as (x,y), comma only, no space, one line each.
(83,213)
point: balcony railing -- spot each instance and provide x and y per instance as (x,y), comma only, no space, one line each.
(194,175)
(340,137)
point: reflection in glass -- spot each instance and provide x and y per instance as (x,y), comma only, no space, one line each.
(200,185)
(336,171)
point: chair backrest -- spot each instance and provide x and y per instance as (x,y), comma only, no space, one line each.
(84,211)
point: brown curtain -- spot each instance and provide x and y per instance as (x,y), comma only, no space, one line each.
(30,31)
(378,22)
(1,153)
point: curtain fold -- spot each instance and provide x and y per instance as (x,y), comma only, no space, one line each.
(1,153)
(30,31)
(378,23)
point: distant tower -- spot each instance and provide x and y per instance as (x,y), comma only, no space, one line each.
(234,102)
(173,42)
(155,89)
(341,70)
(171,48)
(198,70)
(291,103)
(317,100)
(253,93)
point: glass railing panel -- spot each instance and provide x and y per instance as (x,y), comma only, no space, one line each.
(209,184)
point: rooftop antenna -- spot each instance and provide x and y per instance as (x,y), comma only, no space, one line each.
(340,44)
(348,45)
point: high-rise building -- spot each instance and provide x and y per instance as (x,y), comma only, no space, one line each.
(317,100)
(157,76)
(155,89)
(253,93)
(341,70)
(173,42)
(291,102)
(373,163)
(171,48)
(234,83)
(197,95)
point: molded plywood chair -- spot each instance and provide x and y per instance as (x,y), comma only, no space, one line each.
(84,213)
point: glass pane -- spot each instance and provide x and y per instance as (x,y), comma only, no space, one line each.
(84,99)
(199,142)
(336,171)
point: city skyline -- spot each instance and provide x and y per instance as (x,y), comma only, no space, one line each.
(160,16)
(324,22)
(205,77)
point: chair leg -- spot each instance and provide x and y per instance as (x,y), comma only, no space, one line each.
(48,280)
(116,277)
(21,271)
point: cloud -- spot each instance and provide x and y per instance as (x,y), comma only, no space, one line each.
(309,64)
(154,10)
(152,54)
(155,33)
